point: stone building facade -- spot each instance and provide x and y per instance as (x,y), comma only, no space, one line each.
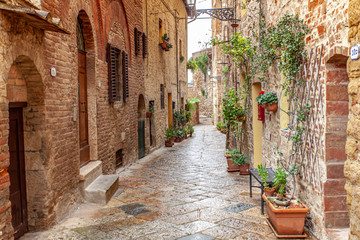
(202,89)
(165,72)
(74,84)
(328,21)
(352,166)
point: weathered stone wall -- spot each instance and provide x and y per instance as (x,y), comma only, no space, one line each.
(50,131)
(327,21)
(164,67)
(352,165)
(204,92)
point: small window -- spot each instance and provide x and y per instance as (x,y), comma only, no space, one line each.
(160,30)
(145,45)
(137,36)
(162,96)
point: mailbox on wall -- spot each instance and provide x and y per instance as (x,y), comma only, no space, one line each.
(261,113)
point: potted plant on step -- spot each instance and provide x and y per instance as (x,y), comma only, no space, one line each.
(232,167)
(268,101)
(263,173)
(186,132)
(286,213)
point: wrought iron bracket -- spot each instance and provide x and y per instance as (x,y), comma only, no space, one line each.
(223,14)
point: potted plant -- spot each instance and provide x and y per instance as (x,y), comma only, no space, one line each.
(178,135)
(149,112)
(186,132)
(166,45)
(182,58)
(268,101)
(218,126)
(240,159)
(263,173)
(191,129)
(232,167)
(169,135)
(286,213)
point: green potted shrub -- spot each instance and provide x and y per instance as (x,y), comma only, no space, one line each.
(218,126)
(286,213)
(182,58)
(191,129)
(268,101)
(169,137)
(263,173)
(186,132)
(237,161)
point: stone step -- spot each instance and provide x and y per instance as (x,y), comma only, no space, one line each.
(89,173)
(102,189)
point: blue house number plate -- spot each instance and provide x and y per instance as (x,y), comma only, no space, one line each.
(354,52)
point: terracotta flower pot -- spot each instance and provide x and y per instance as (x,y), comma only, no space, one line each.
(168,143)
(272,107)
(234,25)
(244,169)
(164,46)
(172,140)
(288,221)
(177,139)
(231,166)
(263,105)
(269,192)
(148,114)
(185,136)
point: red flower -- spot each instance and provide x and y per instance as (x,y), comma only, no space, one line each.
(261,93)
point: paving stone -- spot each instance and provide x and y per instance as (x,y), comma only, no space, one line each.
(180,193)
(134,209)
(196,236)
(239,207)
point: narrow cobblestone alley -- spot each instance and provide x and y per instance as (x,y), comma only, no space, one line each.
(182,192)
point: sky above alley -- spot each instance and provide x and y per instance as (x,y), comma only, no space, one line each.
(199,31)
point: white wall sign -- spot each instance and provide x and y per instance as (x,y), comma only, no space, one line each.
(354,52)
(53,72)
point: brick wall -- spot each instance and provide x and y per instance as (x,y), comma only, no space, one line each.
(51,134)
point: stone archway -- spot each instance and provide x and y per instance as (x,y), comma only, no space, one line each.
(25,94)
(87,89)
(141,126)
(337,110)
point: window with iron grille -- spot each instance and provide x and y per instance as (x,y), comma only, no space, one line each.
(162,96)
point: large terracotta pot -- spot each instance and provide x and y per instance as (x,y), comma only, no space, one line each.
(231,166)
(272,107)
(288,221)
(168,143)
(244,169)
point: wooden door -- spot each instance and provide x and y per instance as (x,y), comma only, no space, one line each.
(141,138)
(169,109)
(17,173)
(83,111)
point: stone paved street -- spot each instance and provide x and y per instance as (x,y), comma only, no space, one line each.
(183,192)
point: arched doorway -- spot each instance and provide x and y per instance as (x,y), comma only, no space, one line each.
(25,94)
(86,92)
(141,126)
